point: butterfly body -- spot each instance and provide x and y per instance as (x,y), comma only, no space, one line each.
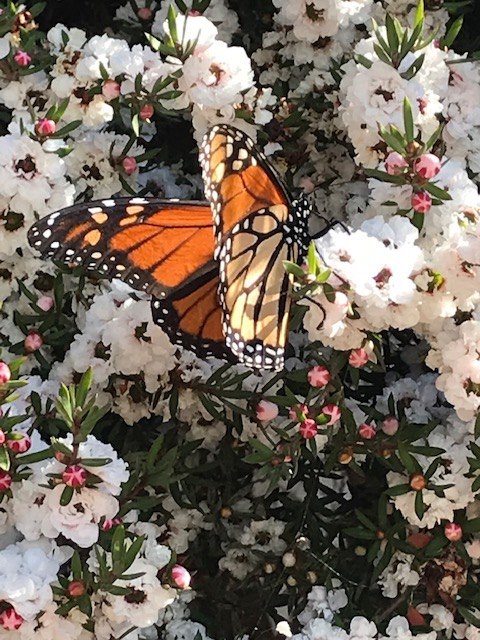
(215,270)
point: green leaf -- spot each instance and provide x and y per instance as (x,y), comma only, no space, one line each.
(67,495)
(153,452)
(408,120)
(392,141)
(362,60)
(437,192)
(398,490)
(312,258)
(451,35)
(83,387)
(172,23)
(4,459)
(71,126)
(76,566)
(384,176)
(365,521)
(419,15)
(117,546)
(469,616)
(392,34)
(132,552)
(419,505)
(136,125)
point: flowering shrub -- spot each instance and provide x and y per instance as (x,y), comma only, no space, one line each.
(146,493)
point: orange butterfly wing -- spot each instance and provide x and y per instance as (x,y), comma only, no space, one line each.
(162,247)
(154,245)
(256,228)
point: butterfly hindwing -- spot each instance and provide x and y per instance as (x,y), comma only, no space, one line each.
(192,317)
(255,226)
(153,245)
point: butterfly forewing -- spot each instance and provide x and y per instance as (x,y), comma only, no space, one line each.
(154,245)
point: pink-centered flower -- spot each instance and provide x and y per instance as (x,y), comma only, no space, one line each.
(45,303)
(358,358)
(366,431)
(110,89)
(129,165)
(390,425)
(395,164)
(453,532)
(146,112)
(5,373)
(333,411)
(110,523)
(74,476)
(33,341)
(19,442)
(5,480)
(266,411)
(319,376)
(45,127)
(10,619)
(298,412)
(181,576)
(145,13)
(308,429)
(427,166)
(3,437)
(422,202)
(22,58)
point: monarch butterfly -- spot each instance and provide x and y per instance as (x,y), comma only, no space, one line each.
(218,288)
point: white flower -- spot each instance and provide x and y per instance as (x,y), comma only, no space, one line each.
(217,76)
(141,608)
(5,45)
(26,572)
(79,520)
(192,29)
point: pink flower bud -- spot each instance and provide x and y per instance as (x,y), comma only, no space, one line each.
(74,476)
(390,426)
(333,411)
(5,373)
(109,523)
(319,377)
(76,589)
(58,455)
(181,577)
(298,412)
(453,532)
(10,619)
(266,410)
(3,437)
(45,303)
(366,431)
(22,58)
(19,442)
(427,166)
(110,89)
(146,112)
(308,428)
(395,163)
(145,13)
(358,358)
(45,127)
(421,202)
(5,480)
(33,341)
(129,165)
